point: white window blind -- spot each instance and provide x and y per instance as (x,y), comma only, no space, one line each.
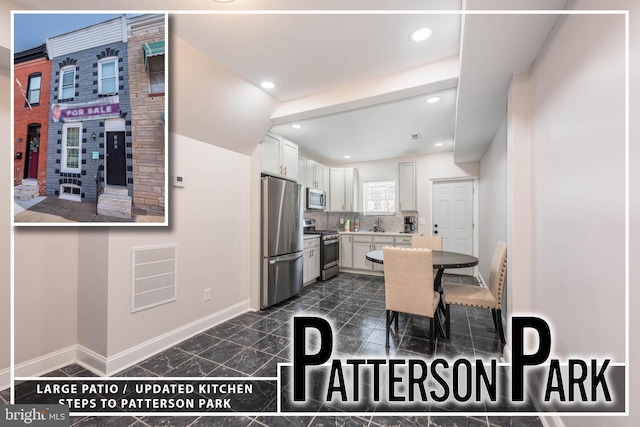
(379,197)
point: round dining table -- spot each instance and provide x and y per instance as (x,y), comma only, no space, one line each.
(442,260)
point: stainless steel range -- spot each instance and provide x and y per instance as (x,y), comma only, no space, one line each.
(329,249)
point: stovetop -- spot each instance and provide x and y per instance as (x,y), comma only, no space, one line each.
(320,232)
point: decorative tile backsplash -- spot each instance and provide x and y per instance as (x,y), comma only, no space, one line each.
(331,220)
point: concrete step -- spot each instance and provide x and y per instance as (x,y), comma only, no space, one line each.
(25,192)
(116,190)
(118,205)
(30,182)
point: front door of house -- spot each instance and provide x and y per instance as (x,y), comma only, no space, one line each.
(33,150)
(116,159)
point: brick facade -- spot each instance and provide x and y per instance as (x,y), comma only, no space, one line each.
(86,64)
(24,117)
(147,124)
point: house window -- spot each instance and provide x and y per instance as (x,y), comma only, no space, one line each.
(33,90)
(156,74)
(108,76)
(67,85)
(379,197)
(71,153)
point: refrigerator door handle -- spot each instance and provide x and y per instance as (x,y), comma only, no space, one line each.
(284,258)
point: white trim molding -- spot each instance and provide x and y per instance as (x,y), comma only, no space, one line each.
(107,366)
(47,363)
(142,351)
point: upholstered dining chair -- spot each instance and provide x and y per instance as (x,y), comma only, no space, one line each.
(432,242)
(479,296)
(408,284)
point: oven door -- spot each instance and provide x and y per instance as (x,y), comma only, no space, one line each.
(330,253)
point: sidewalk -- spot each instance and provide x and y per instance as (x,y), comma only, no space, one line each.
(54,210)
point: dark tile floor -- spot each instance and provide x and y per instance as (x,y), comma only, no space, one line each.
(252,344)
(5,396)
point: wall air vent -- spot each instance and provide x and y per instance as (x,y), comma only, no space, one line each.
(154,276)
(415,136)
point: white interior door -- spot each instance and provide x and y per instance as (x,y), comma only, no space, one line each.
(453,217)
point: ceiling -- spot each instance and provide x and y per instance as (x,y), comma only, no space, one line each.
(332,58)
(378,132)
(307,54)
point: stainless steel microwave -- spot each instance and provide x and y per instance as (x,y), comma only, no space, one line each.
(316,199)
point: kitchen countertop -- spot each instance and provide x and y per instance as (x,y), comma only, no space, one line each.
(379,233)
(311,236)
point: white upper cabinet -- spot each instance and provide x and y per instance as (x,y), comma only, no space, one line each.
(302,174)
(325,179)
(343,190)
(302,180)
(336,190)
(315,175)
(279,157)
(290,159)
(351,190)
(271,155)
(407,187)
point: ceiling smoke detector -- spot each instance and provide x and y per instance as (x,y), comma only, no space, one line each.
(415,136)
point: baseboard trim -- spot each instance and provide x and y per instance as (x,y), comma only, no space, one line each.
(536,387)
(91,360)
(506,353)
(130,357)
(47,363)
(102,366)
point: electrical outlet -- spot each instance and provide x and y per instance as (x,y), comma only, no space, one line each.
(207,294)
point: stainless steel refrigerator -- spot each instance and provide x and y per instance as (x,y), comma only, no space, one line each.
(281,240)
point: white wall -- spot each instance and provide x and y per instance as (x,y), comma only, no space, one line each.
(210,103)
(209,218)
(5,208)
(46,286)
(428,168)
(493,200)
(93,246)
(577,169)
(578,172)
(5,238)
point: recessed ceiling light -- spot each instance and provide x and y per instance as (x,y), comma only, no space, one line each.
(421,34)
(223,1)
(433,99)
(267,85)
(296,126)
(347,156)
(439,144)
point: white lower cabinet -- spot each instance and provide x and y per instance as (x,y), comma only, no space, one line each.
(346,251)
(402,242)
(311,260)
(354,249)
(364,244)
(360,250)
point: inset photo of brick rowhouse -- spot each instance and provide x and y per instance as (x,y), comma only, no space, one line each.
(90,129)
